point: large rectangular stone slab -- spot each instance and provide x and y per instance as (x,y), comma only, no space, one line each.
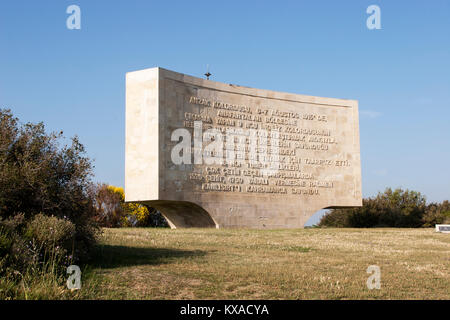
(293,154)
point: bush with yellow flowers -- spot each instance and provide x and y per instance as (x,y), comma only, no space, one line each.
(114,212)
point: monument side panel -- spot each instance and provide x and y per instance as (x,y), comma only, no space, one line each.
(142,150)
(357,156)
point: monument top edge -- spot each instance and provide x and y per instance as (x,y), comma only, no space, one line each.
(234,88)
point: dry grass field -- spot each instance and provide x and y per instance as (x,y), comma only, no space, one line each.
(269,264)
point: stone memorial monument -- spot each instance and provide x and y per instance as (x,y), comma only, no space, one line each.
(210,154)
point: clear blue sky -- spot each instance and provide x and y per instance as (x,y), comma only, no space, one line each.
(74,80)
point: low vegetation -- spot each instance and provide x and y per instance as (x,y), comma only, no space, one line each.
(314,263)
(46,207)
(398,209)
(113,212)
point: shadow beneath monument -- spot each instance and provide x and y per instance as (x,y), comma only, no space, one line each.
(110,256)
(183,214)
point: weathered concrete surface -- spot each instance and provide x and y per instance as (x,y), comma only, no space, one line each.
(313,150)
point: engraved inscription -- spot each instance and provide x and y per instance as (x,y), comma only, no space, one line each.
(287,135)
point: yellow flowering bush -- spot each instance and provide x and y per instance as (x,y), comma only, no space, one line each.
(114,212)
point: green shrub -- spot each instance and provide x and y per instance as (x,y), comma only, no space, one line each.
(393,208)
(15,255)
(34,257)
(335,218)
(437,213)
(53,237)
(51,231)
(50,185)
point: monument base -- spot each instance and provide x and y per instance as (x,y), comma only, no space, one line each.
(184,214)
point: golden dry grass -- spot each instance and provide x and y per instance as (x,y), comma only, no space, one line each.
(269,264)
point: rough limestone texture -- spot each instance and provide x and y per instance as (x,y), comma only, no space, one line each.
(250,158)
